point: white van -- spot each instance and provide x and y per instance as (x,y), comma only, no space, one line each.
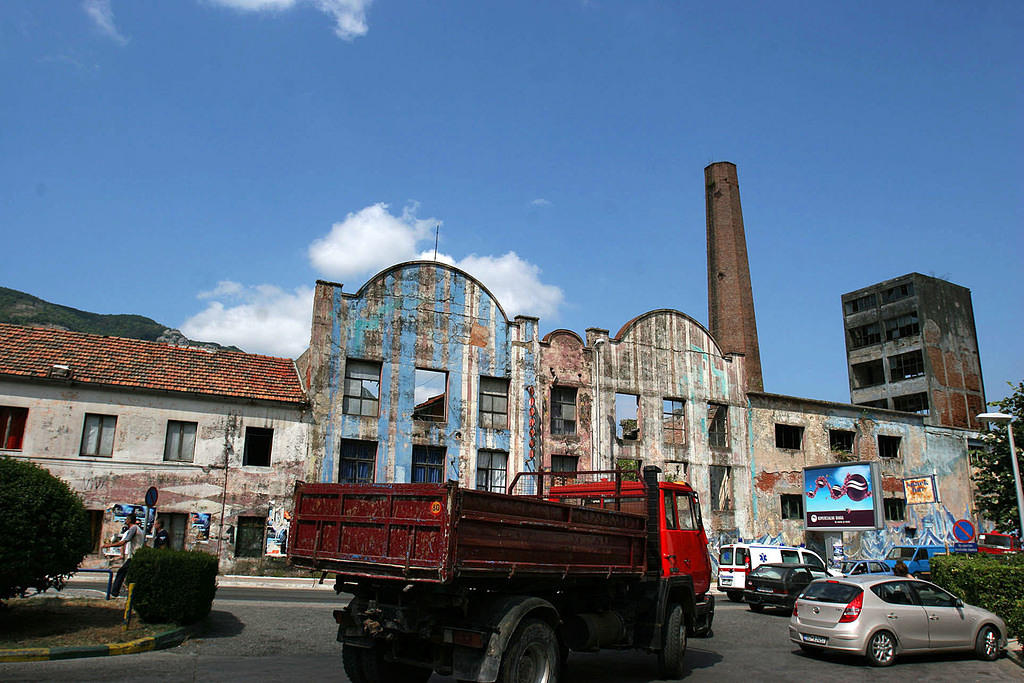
(736,560)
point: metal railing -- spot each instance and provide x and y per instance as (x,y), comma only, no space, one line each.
(591,488)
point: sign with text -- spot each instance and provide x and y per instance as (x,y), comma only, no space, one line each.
(844,497)
(920,490)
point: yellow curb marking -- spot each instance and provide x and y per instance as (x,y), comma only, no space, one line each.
(33,654)
(140,645)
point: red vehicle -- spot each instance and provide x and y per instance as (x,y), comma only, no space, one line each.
(500,587)
(998,544)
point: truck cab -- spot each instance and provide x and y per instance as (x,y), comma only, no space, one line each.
(995,543)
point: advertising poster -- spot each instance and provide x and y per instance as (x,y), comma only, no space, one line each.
(201,525)
(277,531)
(842,497)
(919,490)
(122,510)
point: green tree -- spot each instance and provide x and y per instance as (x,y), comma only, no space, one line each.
(45,529)
(993,475)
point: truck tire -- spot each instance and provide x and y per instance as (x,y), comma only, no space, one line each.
(352,659)
(378,670)
(672,655)
(532,655)
(735,596)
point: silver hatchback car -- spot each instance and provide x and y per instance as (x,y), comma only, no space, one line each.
(881,616)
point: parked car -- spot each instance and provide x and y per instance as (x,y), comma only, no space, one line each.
(995,543)
(916,558)
(736,560)
(857,567)
(881,617)
(778,584)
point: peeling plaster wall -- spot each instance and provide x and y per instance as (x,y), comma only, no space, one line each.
(418,315)
(564,362)
(924,450)
(216,478)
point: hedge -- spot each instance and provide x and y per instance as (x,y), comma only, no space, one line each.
(172,585)
(993,582)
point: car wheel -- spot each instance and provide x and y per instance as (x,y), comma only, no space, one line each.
(986,646)
(754,607)
(735,596)
(672,655)
(881,649)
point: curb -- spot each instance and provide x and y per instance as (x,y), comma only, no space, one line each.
(1014,652)
(160,641)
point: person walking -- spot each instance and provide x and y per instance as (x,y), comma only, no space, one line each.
(161,539)
(130,539)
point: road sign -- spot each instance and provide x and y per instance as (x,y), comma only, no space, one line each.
(151,497)
(964,548)
(963,531)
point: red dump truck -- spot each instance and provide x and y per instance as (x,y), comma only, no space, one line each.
(489,586)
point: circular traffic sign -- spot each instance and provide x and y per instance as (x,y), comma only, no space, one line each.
(151,496)
(963,531)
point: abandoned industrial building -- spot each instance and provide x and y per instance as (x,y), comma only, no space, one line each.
(420,376)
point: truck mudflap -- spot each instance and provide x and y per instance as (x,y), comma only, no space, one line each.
(505,615)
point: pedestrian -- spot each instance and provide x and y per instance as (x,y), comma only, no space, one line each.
(130,539)
(161,539)
(900,569)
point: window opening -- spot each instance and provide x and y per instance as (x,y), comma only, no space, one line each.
(491,470)
(493,403)
(718,425)
(902,326)
(563,410)
(906,365)
(861,303)
(895,509)
(888,446)
(428,464)
(673,421)
(626,409)
(840,441)
(258,443)
(792,506)
(180,442)
(249,536)
(898,292)
(357,464)
(788,436)
(431,390)
(911,403)
(12,427)
(362,388)
(98,435)
(868,374)
(721,487)
(865,335)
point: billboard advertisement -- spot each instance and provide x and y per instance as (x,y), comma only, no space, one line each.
(843,497)
(920,490)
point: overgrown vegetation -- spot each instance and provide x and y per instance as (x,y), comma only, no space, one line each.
(997,496)
(45,529)
(173,585)
(993,582)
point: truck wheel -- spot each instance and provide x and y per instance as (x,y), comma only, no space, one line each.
(378,670)
(756,607)
(673,654)
(352,659)
(735,596)
(532,655)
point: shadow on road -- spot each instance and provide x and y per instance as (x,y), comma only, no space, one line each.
(219,624)
(860,662)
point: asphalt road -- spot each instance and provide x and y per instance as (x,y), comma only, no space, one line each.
(289,635)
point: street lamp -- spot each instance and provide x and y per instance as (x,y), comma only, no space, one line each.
(1003,418)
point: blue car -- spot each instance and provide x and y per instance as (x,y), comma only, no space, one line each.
(857,567)
(916,558)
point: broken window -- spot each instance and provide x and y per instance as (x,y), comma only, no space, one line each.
(895,509)
(673,421)
(792,506)
(249,536)
(430,395)
(721,487)
(180,442)
(859,304)
(12,427)
(788,436)
(258,443)
(840,441)
(718,425)
(888,446)
(898,292)
(868,374)
(865,335)
(878,403)
(563,410)
(357,462)
(428,464)
(493,403)
(911,403)
(362,388)
(626,425)
(906,365)
(98,435)
(491,470)
(564,463)
(902,326)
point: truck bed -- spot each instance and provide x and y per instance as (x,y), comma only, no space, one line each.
(437,532)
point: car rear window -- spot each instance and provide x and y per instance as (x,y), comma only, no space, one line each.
(830,591)
(765,572)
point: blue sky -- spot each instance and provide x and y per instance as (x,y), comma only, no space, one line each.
(203,162)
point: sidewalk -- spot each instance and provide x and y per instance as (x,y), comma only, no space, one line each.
(280,582)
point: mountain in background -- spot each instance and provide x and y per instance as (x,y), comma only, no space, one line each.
(19,308)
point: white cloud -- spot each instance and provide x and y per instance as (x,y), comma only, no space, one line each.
(260,319)
(515,283)
(102,15)
(349,15)
(540,201)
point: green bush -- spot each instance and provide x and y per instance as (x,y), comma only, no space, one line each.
(45,529)
(993,582)
(172,585)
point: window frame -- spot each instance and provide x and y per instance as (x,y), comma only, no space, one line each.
(673,421)
(490,470)
(717,504)
(254,434)
(561,426)
(832,446)
(348,398)
(13,420)
(718,438)
(488,417)
(180,425)
(251,523)
(430,415)
(349,451)
(563,458)
(632,399)
(893,506)
(82,452)
(786,505)
(426,454)
(890,441)
(907,365)
(784,436)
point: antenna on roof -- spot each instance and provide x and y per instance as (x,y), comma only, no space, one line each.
(437,230)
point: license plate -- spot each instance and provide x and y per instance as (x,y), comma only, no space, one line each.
(817,640)
(762,589)
(725,580)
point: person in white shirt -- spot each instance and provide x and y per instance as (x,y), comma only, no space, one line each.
(130,539)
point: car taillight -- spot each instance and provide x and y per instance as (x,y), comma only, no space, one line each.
(852,610)
(746,561)
(795,614)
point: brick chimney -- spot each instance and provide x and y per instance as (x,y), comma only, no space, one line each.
(730,298)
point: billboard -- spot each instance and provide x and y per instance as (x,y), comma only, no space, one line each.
(920,490)
(843,497)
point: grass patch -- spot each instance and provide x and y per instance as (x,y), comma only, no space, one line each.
(75,622)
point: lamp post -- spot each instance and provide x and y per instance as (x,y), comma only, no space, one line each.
(1003,418)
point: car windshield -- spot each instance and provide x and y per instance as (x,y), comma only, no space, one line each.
(830,591)
(766,572)
(998,541)
(900,554)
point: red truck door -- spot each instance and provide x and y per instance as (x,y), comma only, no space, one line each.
(684,545)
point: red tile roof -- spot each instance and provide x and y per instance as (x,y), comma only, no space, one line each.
(31,352)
